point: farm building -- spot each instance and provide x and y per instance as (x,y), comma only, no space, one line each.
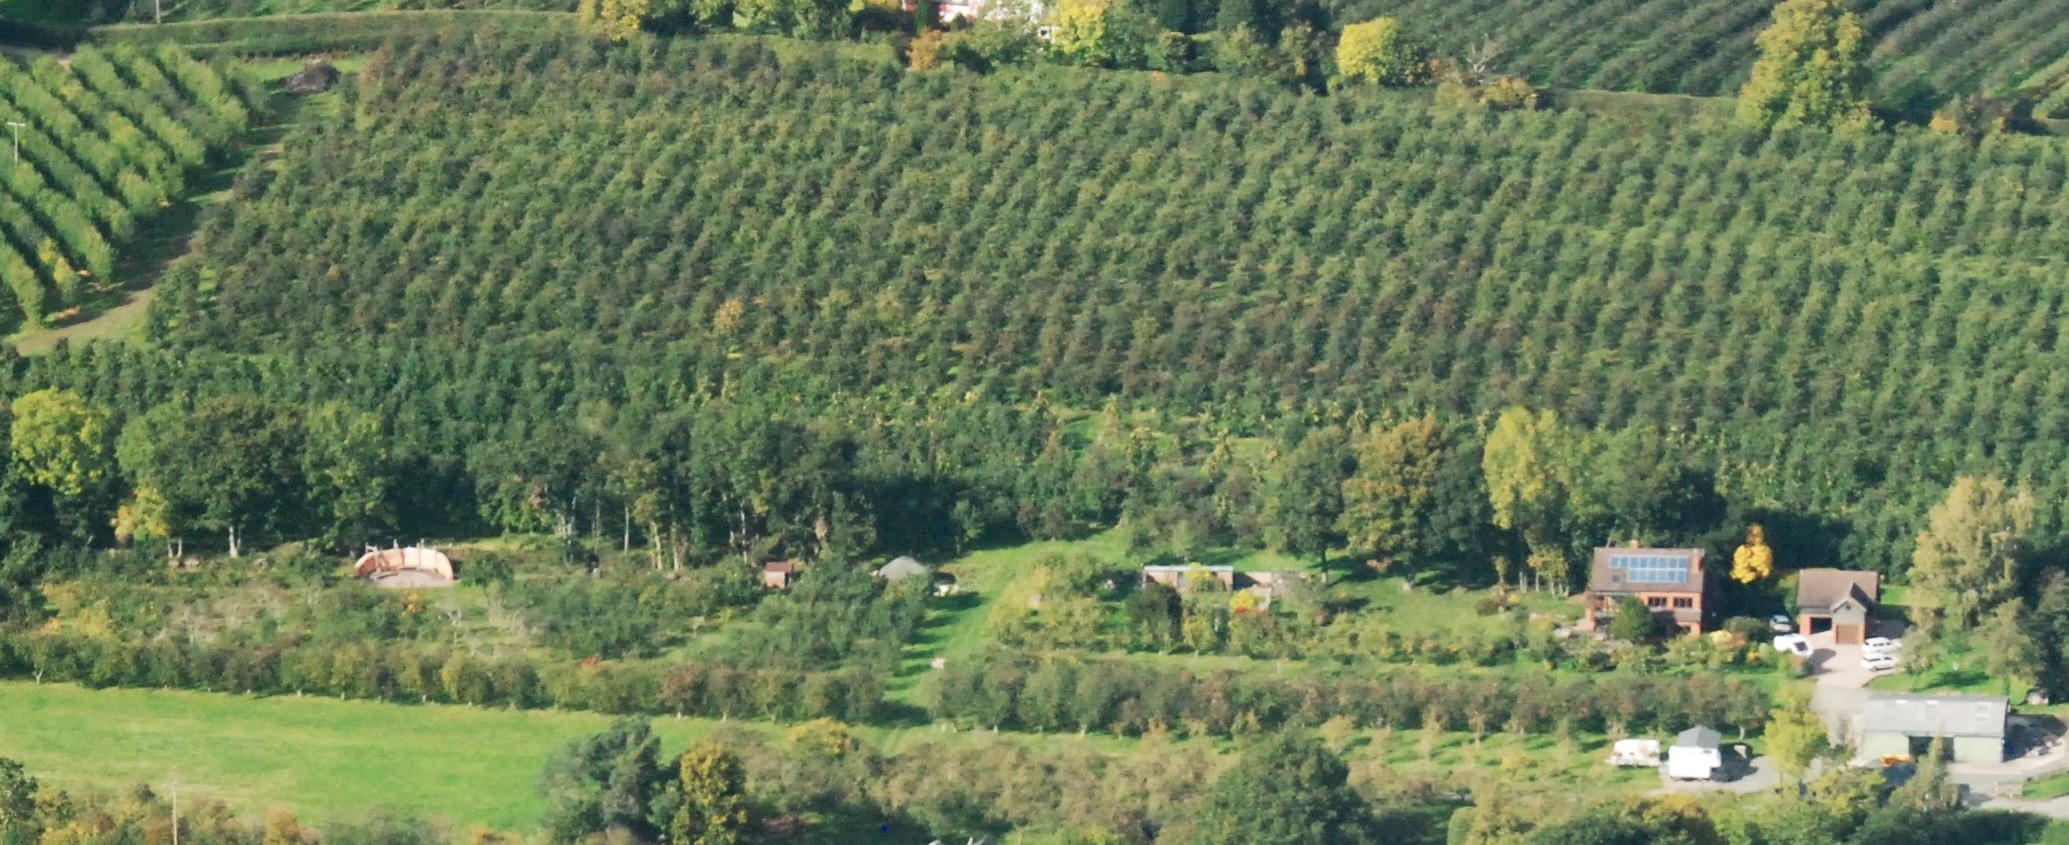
(1838,600)
(1668,581)
(416,566)
(1179,577)
(1973,725)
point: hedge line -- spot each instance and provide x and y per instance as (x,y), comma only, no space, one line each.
(1022,692)
(369,671)
(342,31)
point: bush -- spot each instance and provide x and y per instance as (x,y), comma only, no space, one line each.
(1633,622)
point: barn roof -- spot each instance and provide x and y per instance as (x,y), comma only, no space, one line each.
(1914,714)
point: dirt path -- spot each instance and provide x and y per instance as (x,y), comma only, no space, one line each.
(122,322)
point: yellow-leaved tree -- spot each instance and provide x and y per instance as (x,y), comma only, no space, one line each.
(616,20)
(1812,70)
(1376,53)
(1753,560)
(1101,33)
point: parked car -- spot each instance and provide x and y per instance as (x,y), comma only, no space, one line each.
(1878,662)
(1794,644)
(1781,624)
(1881,645)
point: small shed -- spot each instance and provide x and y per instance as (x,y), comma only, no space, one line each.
(901,569)
(780,574)
(1841,601)
(1973,725)
(1695,754)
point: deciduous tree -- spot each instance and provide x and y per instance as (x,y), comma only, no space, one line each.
(2009,652)
(615,20)
(1376,52)
(1811,72)
(1306,497)
(710,798)
(1796,735)
(229,464)
(1753,560)
(1388,501)
(62,443)
(1101,33)
(1287,788)
(1633,622)
(1968,557)
(605,781)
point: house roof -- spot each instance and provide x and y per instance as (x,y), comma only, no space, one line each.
(1913,714)
(1619,569)
(1698,737)
(780,566)
(1218,570)
(901,569)
(1824,589)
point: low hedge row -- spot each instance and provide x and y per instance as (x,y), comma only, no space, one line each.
(331,32)
(372,672)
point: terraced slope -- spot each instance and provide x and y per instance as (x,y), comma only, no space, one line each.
(106,141)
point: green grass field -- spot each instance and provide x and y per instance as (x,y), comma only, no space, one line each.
(329,759)
(324,758)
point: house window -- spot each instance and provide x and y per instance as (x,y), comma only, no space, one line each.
(1655,601)
(1684,602)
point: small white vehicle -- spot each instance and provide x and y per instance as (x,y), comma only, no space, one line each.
(1878,662)
(1881,645)
(1794,644)
(1781,624)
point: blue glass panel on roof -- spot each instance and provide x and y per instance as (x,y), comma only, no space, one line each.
(1652,569)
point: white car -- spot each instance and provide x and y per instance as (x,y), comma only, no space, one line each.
(1793,643)
(1781,624)
(1878,662)
(1881,645)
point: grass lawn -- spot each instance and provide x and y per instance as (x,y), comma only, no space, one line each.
(2052,786)
(325,758)
(1962,677)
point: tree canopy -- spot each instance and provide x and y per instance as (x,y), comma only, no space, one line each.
(1285,788)
(1812,70)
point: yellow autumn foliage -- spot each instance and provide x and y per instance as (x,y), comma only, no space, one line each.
(1753,560)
